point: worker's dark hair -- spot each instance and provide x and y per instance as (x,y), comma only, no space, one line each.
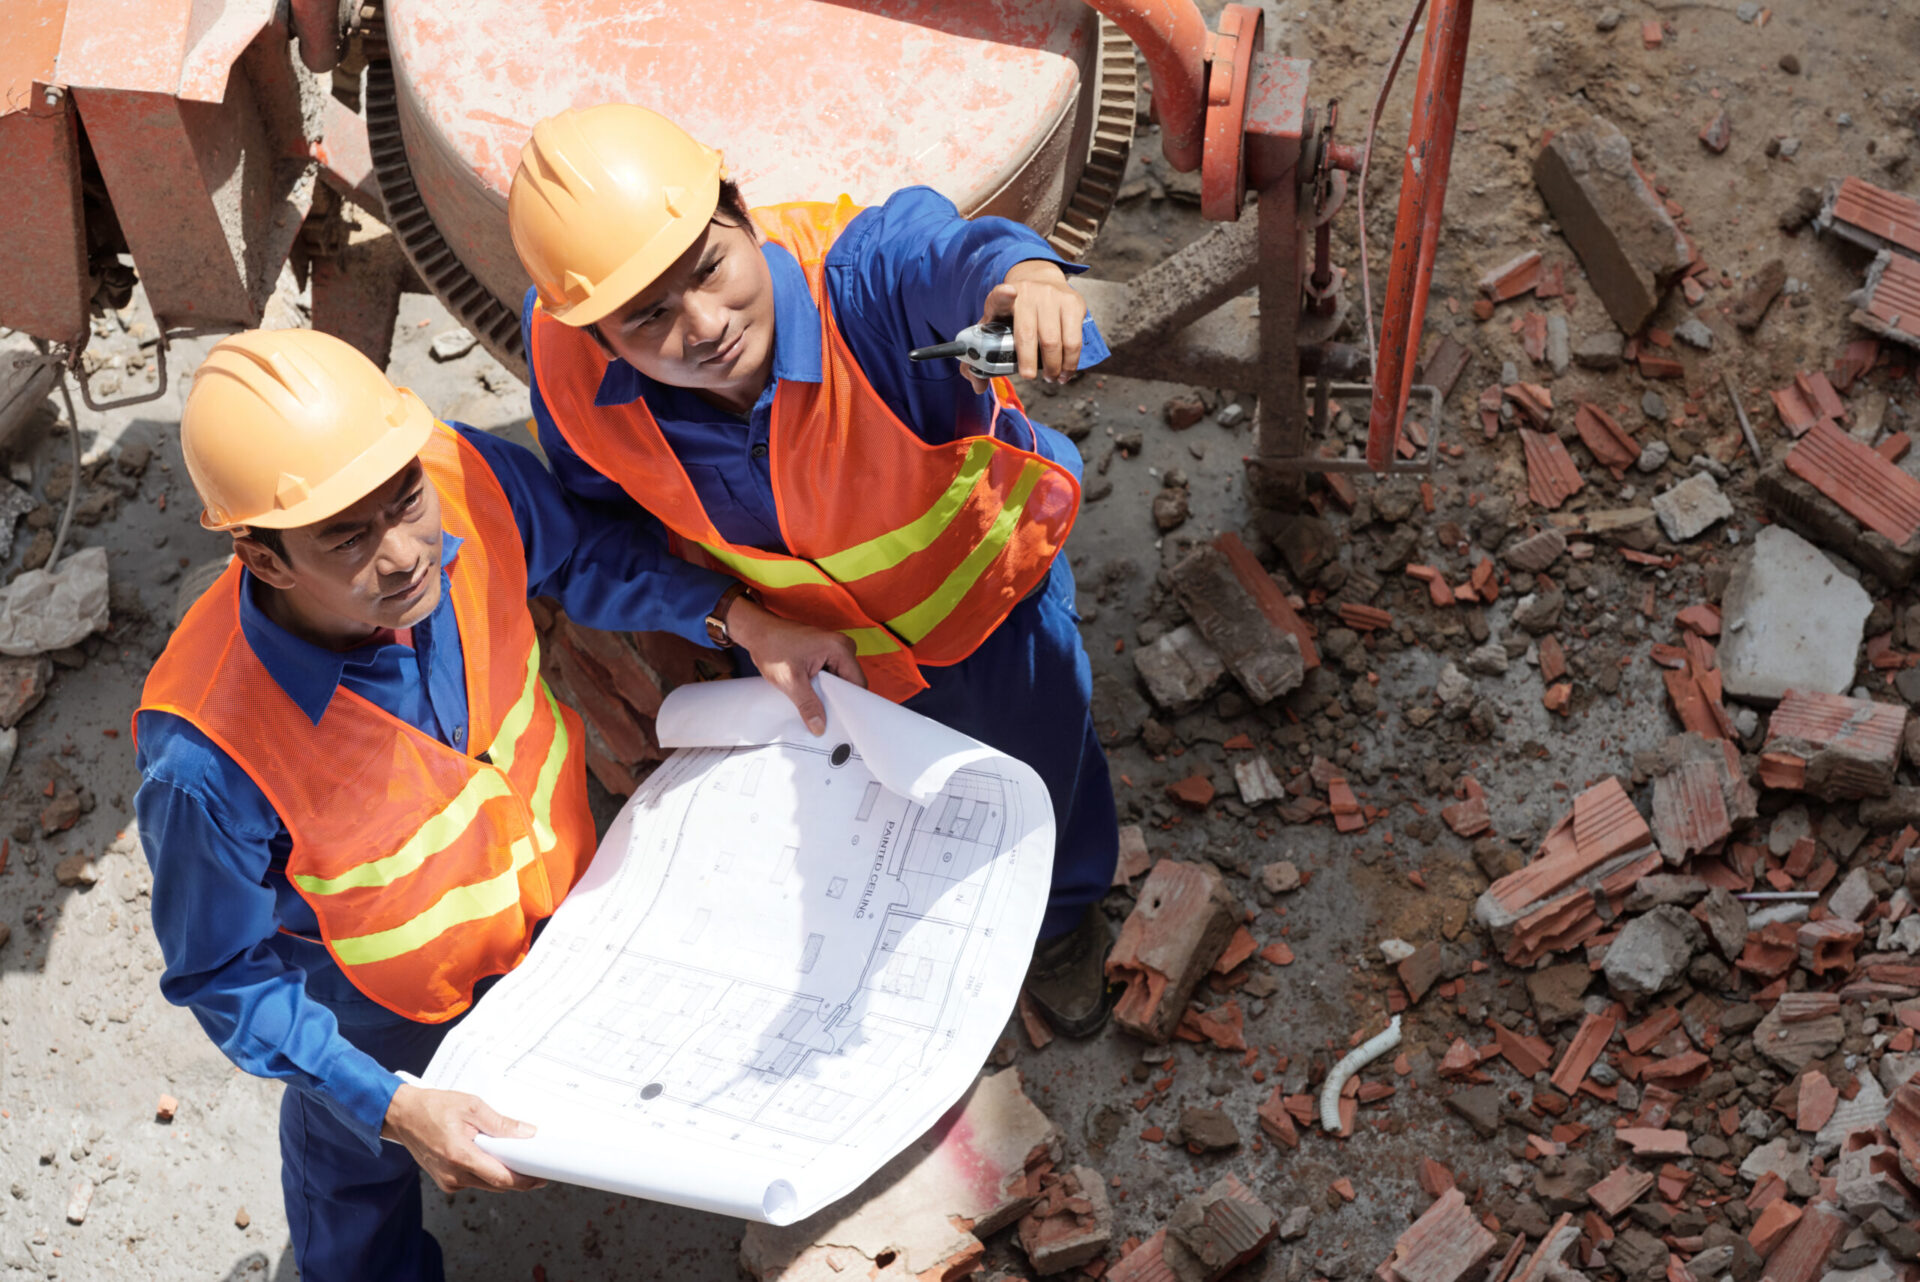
(733,205)
(271,540)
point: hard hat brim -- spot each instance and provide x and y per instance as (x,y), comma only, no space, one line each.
(646,265)
(376,465)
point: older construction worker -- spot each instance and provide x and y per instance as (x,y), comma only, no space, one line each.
(744,380)
(359,798)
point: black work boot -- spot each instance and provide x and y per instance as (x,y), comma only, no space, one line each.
(1067,979)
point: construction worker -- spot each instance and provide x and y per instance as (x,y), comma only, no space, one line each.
(743,380)
(359,799)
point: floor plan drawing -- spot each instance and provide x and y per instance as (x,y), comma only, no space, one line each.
(776,959)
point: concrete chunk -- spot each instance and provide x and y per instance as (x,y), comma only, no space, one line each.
(1177,930)
(1615,222)
(1180,669)
(974,1173)
(1652,951)
(1691,507)
(1265,660)
(1792,620)
(1070,1224)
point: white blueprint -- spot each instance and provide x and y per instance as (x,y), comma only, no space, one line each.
(790,956)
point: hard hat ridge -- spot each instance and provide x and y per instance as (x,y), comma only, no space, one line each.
(605,199)
(287,427)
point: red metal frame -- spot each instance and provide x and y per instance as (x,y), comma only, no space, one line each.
(1416,235)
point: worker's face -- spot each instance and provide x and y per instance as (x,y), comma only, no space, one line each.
(373,565)
(706,324)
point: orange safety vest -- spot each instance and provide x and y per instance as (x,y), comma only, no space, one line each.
(915,551)
(427,867)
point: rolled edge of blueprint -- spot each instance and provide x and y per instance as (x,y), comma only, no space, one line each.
(691,1181)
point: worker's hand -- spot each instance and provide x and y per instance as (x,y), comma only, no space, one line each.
(789,654)
(438,1129)
(1046,313)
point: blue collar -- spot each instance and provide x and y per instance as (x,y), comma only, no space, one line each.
(796,337)
(310,673)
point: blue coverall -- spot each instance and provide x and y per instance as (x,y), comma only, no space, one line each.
(905,274)
(238,938)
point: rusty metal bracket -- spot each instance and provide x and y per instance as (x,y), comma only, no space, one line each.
(1324,393)
(1223,161)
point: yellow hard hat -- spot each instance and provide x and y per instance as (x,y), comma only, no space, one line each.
(603,202)
(286,427)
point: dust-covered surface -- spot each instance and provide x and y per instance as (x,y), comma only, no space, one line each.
(88,1047)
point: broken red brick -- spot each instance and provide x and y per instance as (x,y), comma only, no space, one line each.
(1038,1031)
(1347,816)
(1364,618)
(1591,1038)
(1831,745)
(1551,476)
(1528,1055)
(1828,945)
(1238,949)
(1447,1243)
(1817,1100)
(165,1109)
(1278,953)
(1533,401)
(1619,1190)
(1533,337)
(1194,792)
(1796,415)
(1559,698)
(1182,922)
(1609,443)
(1276,1122)
(1873,216)
(1652,34)
(1512,278)
(973,1173)
(1437,589)
(1208,1236)
(1663,367)
(1553,658)
(1700,619)
(1819,393)
(1267,595)
(1070,1224)
(1433,1177)
(1881,496)
(1650,1142)
(1223,1026)
(1773,1225)
(1134,857)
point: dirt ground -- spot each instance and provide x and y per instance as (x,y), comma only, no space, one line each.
(87,1045)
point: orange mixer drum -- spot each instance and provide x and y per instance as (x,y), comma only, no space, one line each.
(1021,108)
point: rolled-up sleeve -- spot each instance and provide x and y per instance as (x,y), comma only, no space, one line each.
(207,831)
(915,263)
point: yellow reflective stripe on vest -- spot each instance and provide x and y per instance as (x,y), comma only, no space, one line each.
(458,906)
(433,836)
(884,551)
(916,623)
(542,801)
(772,572)
(872,640)
(518,717)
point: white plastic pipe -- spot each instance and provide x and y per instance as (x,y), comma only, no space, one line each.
(1358,1058)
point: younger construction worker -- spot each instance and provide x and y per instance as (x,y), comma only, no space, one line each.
(359,799)
(744,380)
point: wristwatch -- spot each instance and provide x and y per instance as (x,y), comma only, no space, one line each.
(717,617)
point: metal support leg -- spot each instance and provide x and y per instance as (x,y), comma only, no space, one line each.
(1280,429)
